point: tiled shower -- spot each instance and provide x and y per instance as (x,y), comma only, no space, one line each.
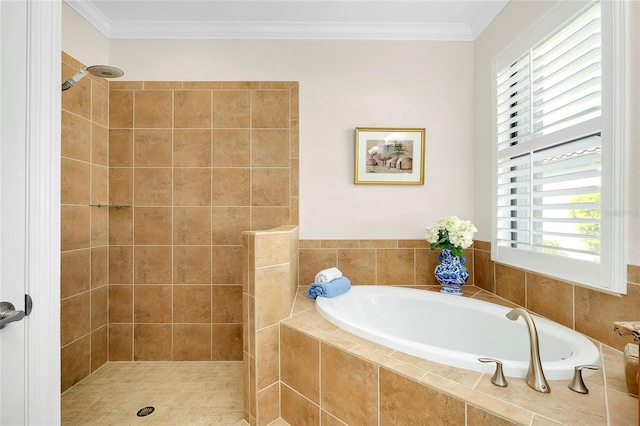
(180,169)
(84,230)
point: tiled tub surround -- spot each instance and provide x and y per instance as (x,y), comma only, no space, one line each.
(84,230)
(588,311)
(270,282)
(380,262)
(200,162)
(411,262)
(331,377)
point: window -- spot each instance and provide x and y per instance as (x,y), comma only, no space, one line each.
(554,155)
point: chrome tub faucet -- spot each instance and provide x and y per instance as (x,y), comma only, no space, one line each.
(535,375)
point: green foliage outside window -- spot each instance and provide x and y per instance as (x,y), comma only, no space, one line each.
(588,228)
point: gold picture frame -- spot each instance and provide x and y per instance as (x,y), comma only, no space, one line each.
(388,156)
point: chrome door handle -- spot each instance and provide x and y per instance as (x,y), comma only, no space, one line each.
(9,314)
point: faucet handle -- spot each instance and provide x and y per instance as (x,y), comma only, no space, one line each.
(577,384)
(498,378)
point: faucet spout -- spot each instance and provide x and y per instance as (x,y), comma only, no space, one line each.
(535,375)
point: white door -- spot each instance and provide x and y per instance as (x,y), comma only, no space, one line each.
(12,209)
(29,209)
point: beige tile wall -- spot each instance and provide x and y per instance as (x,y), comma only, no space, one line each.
(380,262)
(323,384)
(199,162)
(84,229)
(586,310)
(270,283)
(411,262)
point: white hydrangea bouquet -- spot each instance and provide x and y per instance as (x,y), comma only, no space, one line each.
(451,233)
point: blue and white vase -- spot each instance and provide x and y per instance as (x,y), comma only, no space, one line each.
(451,274)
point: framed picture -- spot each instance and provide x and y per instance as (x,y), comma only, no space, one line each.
(389,156)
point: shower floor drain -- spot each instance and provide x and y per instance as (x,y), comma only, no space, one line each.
(145,411)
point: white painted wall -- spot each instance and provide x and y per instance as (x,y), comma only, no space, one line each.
(82,40)
(633,205)
(504,29)
(343,85)
(507,27)
(442,86)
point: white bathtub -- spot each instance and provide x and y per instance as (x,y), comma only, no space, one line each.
(456,331)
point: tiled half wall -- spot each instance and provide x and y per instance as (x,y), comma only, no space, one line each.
(270,282)
(380,262)
(199,162)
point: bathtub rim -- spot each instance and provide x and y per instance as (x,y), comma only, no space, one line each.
(554,370)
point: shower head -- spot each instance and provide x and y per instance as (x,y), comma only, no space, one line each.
(104,71)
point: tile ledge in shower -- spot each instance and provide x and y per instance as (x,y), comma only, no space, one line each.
(277,230)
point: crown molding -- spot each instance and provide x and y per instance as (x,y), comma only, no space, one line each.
(290,31)
(486,15)
(92,14)
(269,30)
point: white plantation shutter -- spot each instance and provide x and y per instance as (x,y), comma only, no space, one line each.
(566,75)
(514,104)
(548,108)
(514,202)
(566,199)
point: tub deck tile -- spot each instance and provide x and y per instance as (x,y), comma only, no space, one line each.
(294,323)
(303,303)
(465,377)
(490,403)
(380,349)
(539,420)
(491,298)
(329,337)
(623,409)
(555,405)
(312,318)
(404,369)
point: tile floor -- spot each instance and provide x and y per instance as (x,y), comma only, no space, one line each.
(182,393)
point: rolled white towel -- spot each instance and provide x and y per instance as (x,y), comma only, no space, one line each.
(327,275)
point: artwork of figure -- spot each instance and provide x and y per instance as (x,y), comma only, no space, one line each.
(390,156)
